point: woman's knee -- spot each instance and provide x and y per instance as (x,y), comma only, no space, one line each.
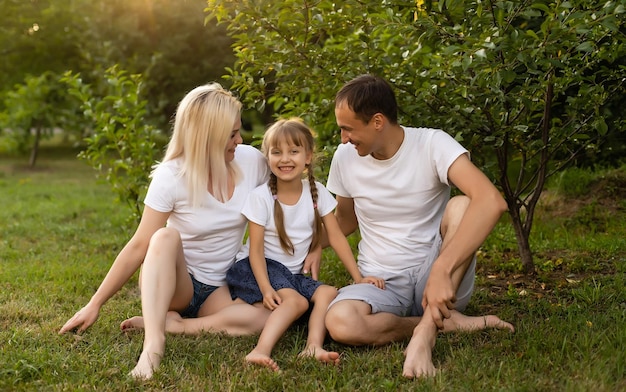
(165,236)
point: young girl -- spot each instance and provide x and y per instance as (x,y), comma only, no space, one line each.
(285,219)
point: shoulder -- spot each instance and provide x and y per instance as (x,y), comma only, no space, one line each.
(244,152)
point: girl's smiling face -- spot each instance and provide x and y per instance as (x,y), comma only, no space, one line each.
(288,161)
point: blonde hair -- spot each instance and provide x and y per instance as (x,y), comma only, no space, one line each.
(293,131)
(203,124)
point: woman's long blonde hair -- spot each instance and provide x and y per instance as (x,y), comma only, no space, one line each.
(203,124)
(293,131)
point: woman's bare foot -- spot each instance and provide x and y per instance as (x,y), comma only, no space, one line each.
(321,355)
(173,323)
(261,359)
(132,324)
(460,322)
(146,366)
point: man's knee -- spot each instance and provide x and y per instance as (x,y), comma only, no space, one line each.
(336,321)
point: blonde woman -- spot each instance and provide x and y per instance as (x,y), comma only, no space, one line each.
(190,231)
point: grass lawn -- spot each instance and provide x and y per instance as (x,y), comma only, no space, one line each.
(60,229)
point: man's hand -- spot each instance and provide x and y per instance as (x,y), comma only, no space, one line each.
(439,295)
(82,319)
(312,262)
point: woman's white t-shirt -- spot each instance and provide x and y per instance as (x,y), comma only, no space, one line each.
(213,233)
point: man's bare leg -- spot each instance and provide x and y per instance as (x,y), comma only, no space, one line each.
(352,322)
(418,361)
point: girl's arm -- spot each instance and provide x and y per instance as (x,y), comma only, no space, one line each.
(340,245)
(125,265)
(256,233)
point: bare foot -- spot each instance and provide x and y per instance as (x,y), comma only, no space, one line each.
(321,355)
(146,366)
(262,360)
(418,356)
(173,323)
(460,322)
(132,324)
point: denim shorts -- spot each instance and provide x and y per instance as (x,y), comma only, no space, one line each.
(243,284)
(201,292)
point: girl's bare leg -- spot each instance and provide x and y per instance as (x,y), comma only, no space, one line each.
(322,297)
(293,306)
(164,283)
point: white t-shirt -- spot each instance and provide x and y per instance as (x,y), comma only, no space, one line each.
(398,202)
(213,233)
(298,218)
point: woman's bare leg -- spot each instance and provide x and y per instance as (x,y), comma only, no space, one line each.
(164,283)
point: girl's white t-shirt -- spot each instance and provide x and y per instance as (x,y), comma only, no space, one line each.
(298,219)
(213,233)
(398,202)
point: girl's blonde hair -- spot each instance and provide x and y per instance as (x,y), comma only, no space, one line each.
(293,131)
(203,124)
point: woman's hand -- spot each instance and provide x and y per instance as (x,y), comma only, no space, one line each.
(82,319)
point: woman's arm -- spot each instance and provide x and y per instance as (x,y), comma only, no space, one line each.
(125,265)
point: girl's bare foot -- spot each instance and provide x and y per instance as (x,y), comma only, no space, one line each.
(321,355)
(146,366)
(258,358)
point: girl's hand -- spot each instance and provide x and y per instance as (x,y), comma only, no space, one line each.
(271,300)
(378,282)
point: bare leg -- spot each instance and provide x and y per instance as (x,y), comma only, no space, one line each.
(164,283)
(351,322)
(293,306)
(317,330)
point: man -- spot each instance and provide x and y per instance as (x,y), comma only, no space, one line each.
(393,183)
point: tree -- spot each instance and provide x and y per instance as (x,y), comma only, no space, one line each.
(525,85)
(35,110)
(123,146)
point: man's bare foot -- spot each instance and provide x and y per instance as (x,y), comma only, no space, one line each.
(460,322)
(418,356)
(257,358)
(146,366)
(321,355)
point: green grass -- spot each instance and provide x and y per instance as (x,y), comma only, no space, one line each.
(60,230)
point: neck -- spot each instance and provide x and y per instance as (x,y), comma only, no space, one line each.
(392,139)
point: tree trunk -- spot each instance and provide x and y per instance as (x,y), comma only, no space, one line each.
(523,243)
(34,153)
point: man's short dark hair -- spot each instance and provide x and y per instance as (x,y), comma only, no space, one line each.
(367,95)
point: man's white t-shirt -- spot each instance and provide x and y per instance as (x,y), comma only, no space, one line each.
(213,233)
(398,202)
(298,219)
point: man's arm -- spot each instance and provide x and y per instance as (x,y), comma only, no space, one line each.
(463,231)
